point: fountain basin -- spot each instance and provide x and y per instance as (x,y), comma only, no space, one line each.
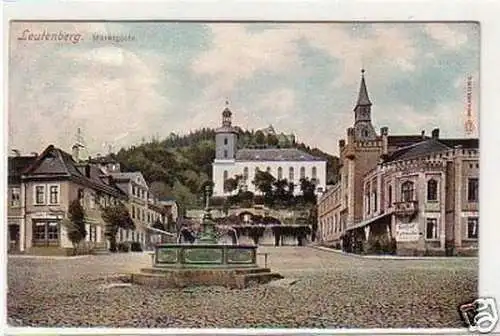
(181,265)
(201,255)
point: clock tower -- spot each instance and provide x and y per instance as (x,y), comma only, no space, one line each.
(363,128)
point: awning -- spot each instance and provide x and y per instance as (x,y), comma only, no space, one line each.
(369,221)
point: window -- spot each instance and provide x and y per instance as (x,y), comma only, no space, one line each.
(133,211)
(245,174)
(39,194)
(291,174)
(225,175)
(280,173)
(80,195)
(367,203)
(374,197)
(431,228)
(15,197)
(313,172)
(432,190)
(389,192)
(45,233)
(225,153)
(54,194)
(472,227)
(407,191)
(473,190)
(225,141)
(133,190)
(302,172)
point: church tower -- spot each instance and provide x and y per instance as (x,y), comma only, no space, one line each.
(226,137)
(363,128)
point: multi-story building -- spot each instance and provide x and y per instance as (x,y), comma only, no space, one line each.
(420,191)
(283,163)
(43,188)
(143,205)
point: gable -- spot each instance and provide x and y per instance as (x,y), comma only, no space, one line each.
(51,163)
(139,179)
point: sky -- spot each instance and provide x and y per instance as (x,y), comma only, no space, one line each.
(156,78)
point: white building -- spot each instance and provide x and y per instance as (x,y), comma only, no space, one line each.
(291,164)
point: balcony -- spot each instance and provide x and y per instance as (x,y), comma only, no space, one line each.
(405,209)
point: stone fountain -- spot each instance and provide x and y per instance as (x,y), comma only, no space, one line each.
(206,262)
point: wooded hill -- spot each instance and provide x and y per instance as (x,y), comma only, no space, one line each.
(180,165)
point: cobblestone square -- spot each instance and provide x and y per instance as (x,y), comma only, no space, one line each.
(321,289)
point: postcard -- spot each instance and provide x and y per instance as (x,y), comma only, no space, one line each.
(179,174)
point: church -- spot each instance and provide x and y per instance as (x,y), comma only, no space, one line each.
(231,159)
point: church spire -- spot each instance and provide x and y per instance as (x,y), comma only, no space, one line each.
(226,115)
(363,99)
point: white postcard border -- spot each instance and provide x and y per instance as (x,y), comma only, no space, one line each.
(348,10)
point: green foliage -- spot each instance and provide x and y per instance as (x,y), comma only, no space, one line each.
(75,224)
(116,217)
(179,166)
(135,247)
(123,247)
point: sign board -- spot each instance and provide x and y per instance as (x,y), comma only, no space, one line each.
(407,232)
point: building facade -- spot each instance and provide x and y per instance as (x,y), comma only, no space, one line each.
(283,163)
(416,190)
(41,188)
(48,185)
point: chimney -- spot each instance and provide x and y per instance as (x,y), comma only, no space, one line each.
(384,132)
(350,135)
(16,152)
(435,133)
(75,153)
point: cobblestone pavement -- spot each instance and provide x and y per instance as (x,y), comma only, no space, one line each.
(328,290)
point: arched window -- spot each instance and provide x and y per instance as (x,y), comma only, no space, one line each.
(245,174)
(302,172)
(280,173)
(389,196)
(314,177)
(291,174)
(432,190)
(226,175)
(407,191)
(225,154)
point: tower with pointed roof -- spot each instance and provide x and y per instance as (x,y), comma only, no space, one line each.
(363,128)
(226,137)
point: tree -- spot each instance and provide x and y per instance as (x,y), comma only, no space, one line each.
(263,181)
(75,224)
(232,183)
(260,138)
(308,189)
(116,216)
(272,140)
(280,191)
